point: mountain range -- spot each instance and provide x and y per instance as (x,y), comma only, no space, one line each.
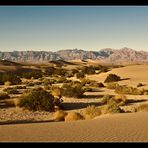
(105,55)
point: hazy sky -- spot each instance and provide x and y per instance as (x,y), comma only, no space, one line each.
(88,28)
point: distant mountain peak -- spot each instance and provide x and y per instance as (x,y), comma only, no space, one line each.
(107,54)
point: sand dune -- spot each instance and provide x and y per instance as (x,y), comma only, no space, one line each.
(109,128)
(135,73)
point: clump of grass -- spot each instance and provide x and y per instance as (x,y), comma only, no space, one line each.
(72,90)
(106,98)
(112,85)
(128,90)
(142,107)
(59,115)
(121,99)
(111,107)
(71,116)
(91,112)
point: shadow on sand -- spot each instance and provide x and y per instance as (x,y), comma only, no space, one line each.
(80,105)
(23,122)
(131,101)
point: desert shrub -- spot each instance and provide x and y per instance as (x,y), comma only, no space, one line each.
(88,70)
(11,90)
(106,98)
(59,115)
(74,90)
(60,72)
(120,99)
(12,78)
(128,90)
(71,116)
(91,111)
(101,68)
(100,84)
(139,85)
(142,107)
(80,75)
(112,78)
(112,85)
(32,74)
(4,95)
(49,71)
(111,107)
(7,83)
(37,99)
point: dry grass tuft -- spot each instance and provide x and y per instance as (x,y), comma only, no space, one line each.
(142,107)
(73,116)
(59,115)
(91,112)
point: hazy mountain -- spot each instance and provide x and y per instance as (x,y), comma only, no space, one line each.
(109,55)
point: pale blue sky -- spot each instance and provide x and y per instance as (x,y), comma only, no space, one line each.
(89,28)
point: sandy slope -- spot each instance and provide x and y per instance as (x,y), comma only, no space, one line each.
(135,73)
(119,127)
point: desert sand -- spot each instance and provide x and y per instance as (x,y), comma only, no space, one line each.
(127,127)
(123,127)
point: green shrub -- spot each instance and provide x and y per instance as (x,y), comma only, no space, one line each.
(88,70)
(112,78)
(37,99)
(12,78)
(112,107)
(74,90)
(112,85)
(4,95)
